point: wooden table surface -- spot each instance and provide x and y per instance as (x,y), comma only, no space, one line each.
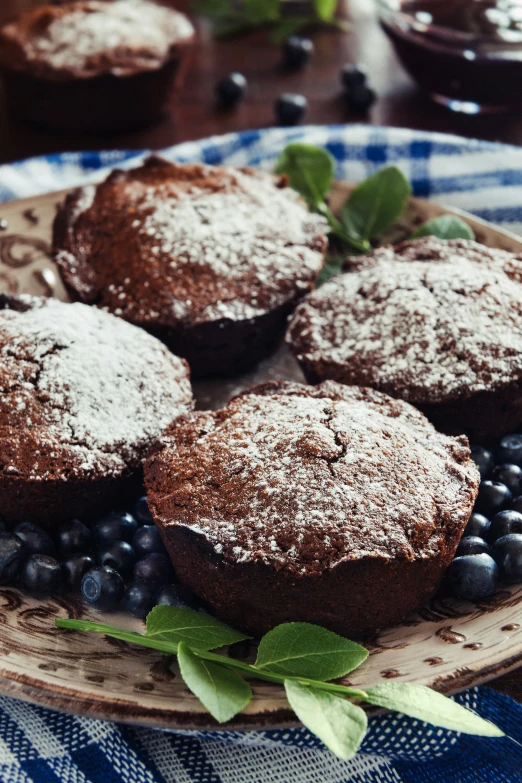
(195,115)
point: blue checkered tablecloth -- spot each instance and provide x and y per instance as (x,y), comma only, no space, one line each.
(40,746)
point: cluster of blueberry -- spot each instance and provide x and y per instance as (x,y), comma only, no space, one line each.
(491,548)
(120,558)
(290,107)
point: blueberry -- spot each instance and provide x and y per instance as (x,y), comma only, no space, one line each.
(472,576)
(507,552)
(471,545)
(231,89)
(147,540)
(361,98)
(510,475)
(119,555)
(141,512)
(140,597)
(74,568)
(36,540)
(510,450)
(483,459)
(353,76)
(506,522)
(178,595)
(290,108)
(73,537)
(478,525)
(297,51)
(41,574)
(12,555)
(116,526)
(492,496)
(102,588)
(516,504)
(155,567)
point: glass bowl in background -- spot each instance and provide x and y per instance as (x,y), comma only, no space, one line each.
(467,54)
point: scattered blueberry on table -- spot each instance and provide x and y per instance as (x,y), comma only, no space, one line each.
(116,561)
(297,51)
(231,90)
(290,108)
(358,93)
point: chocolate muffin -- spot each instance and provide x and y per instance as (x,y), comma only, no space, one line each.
(334,505)
(94,65)
(82,397)
(210,259)
(436,323)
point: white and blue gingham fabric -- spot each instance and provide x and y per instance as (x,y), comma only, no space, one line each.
(41,746)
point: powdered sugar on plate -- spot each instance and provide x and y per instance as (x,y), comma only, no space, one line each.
(82,393)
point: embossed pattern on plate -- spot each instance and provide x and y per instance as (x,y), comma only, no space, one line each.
(448,644)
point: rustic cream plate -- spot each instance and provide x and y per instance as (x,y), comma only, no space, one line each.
(448,645)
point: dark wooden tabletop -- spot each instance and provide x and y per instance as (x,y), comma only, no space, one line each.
(195,115)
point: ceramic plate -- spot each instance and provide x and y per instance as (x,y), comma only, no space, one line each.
(448,644)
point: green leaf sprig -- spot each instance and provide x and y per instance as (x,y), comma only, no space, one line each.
(444,227)
(233,16)
(302,657)
(372,208)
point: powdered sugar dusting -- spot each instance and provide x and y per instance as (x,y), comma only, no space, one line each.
(81,393)
(192,244)
(306,477)
(229,232)
(121,36)
(444,326)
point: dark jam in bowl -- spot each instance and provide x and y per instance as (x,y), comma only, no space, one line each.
(465,53)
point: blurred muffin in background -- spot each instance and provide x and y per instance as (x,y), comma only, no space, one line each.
(94,65)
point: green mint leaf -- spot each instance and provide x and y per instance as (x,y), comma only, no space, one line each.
(223,692)
(306,650)
(198,630)
(325,9)
(376,204)
(258,11)
(310,171)
(425,704)
(337,722)
(444,227)
(332,266)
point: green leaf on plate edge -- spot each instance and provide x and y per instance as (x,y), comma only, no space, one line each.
(199,630)
(221,691)
(307,650)
(337,722)
(444,227)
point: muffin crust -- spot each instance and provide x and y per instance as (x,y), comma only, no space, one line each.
(435,323)
(210,259)
(290,490)
(82,397)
